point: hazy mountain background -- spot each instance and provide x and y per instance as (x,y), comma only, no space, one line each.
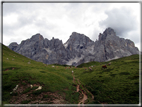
(77,50)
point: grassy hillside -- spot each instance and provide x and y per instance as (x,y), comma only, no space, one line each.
(56,82)
(118,84)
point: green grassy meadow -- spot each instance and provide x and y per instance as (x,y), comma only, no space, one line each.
(118,84)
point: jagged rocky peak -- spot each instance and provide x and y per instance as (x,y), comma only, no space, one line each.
(37,37)
(108,33)
(77,41)
(55,43)
(77,35)
(55,39)
(78,38)
(78,48)
(74,36)
(74,33)
(13,46)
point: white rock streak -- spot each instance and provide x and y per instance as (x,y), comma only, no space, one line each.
(76,59)
(48,50)
(65,45)
(116,57)
(39,88)
(14,89)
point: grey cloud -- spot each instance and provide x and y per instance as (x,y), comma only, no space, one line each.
(16,7)
(72,6)
(28,13)
(21,22)
(8,8)
(100,7)
(8,30)
(74,11)
(95,35)
(23,19)
(121,20)
(134,35)
(19,7)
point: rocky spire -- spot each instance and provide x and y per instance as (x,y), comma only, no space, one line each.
(37,37)
(108,33)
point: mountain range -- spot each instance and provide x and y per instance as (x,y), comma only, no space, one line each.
(77,50)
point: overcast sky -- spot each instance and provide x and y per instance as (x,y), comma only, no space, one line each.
(59,20)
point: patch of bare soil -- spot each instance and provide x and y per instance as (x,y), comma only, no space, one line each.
(30,98)
(77,88)
(10,68)
(17,99)
(56,98)
(87,91)
(84,95)
(84,98)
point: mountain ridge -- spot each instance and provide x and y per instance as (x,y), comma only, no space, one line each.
(77,50)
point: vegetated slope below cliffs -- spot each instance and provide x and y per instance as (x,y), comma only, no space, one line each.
(116,84)
(77,50)
(54,82)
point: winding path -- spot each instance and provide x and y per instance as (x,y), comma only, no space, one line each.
(77,90)
(84,98)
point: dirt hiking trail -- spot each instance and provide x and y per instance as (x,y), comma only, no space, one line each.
(77,90)
(83,99)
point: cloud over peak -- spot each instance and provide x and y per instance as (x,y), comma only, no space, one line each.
(121,20)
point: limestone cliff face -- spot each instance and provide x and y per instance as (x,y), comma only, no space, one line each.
(115,47)
(78,48)
(108,47)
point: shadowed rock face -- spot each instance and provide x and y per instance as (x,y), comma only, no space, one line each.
(78,48)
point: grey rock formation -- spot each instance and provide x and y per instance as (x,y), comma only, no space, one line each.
(13,46)
(32,47)
(78,42)
(77,46)
(56,52)
(108,47)
(115,47)
(77,50)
